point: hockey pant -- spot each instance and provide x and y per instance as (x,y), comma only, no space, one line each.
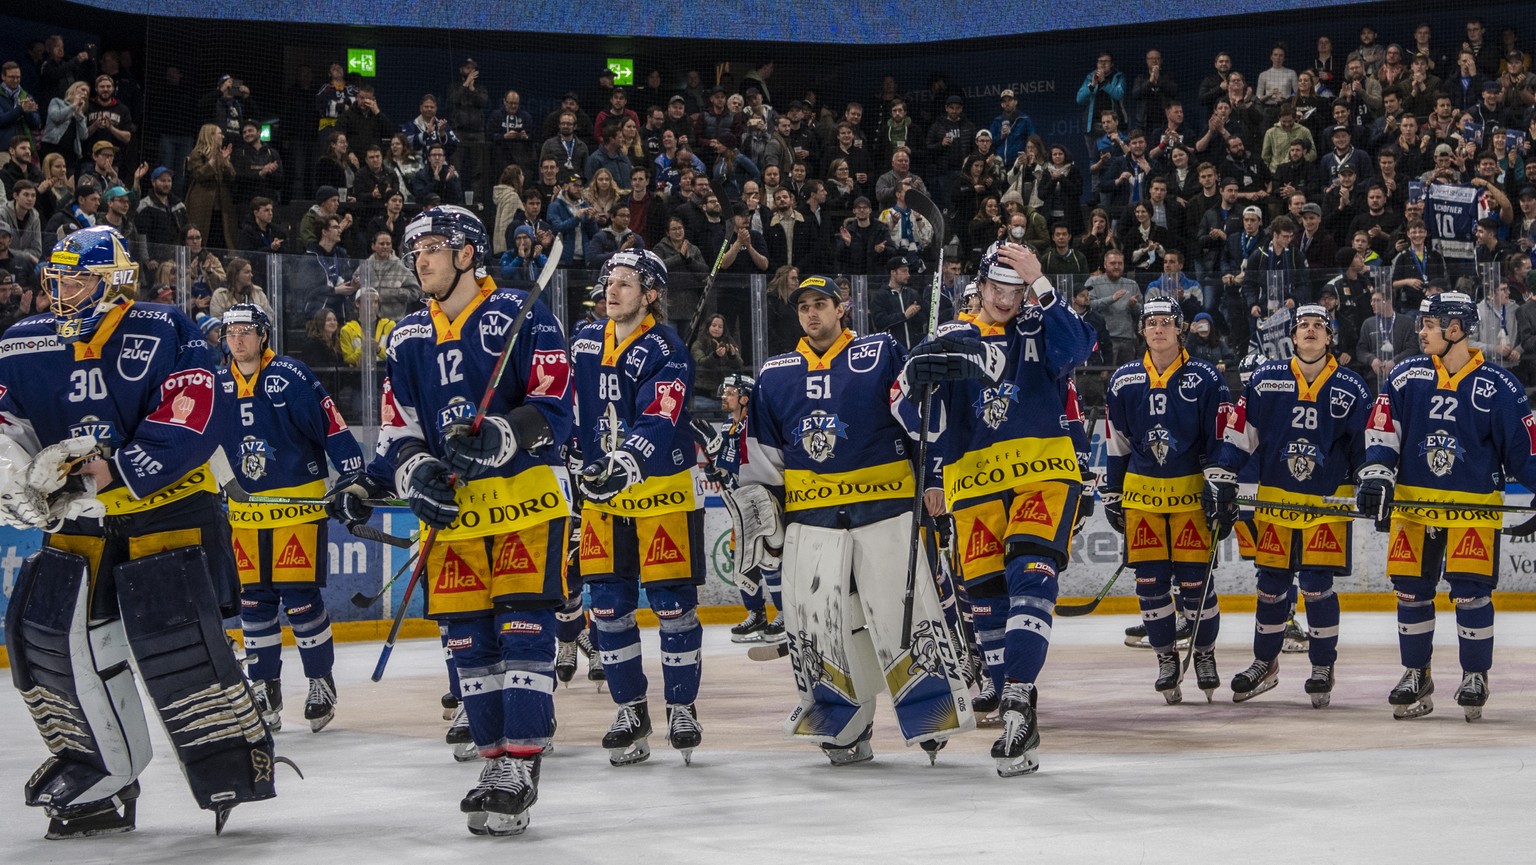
(1014,614)
(506,671)
(75,673)
(307,616)
(614,601)
(843,596)
(1154,581)
(751,588)
(1277,597)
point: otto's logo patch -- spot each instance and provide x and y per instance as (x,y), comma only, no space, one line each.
(550,375)
(669,400)
(335,423)
(186,400)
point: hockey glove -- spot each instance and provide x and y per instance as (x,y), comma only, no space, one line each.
(471,453)
(52,466)
(1373,494)
(948,357)
(1113,510)
(708,438)
(347,501)
(74,501)
(1219,500)
(429,490)
(609,475)
(1085,508)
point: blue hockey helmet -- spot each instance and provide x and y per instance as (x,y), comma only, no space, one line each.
(1448,306)
(87,274)
(1314,310)
(248,314)
(1250,364)
(455,224)
(646,264)
(742,382)
(1161,305)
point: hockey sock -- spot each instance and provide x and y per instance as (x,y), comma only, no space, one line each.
(991,618)
(1273,609)
(311,630)
(618,637)
(1415,620)
(1191,577)
(1156,602)
(263,633)
(681,637)
(526,642)
(1032,600)
(570,620)
(771,579)
(478,659)
(1322,618)
(1474,625)
(453,671)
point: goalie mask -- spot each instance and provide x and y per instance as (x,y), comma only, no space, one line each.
(86,275)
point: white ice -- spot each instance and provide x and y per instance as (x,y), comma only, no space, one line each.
(1124,778)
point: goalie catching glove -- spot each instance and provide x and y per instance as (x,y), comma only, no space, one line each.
(38,492)
(757,526)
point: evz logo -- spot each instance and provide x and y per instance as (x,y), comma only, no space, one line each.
(1440,450)
(134,359)
(1301,457)
(103,431)
(1160,443)
(459,411)
(819,433)
(254,453)
(992,406)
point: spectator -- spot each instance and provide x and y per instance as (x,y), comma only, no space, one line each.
(117,204)
(66,129)
(349,337)
(329,281)
(57,71)
(1144,241)
(746,254)
(506,198)
(261,236)
(532,215)
(57,189)
(520,265)
(849,148)
(1102,90)
(788,240)
(511,128)
(1385,338)
(1204,343)
(686,271)
(614,237)
(202,265)
(1342,202)
(1516,268)
(1118,300)
(1061,258)
(568,151)
(209,177)
(336,164)
(108,119)
(10,298)
(842,190)
(1272,278)
(258,167)
(1353,287)
(950,137)
(393,283)
(20,217)
(715,355)
(228,106)
(438,179)
(15,265)
(1281,138)
(391,219)
(402,165)
(984,228)
(1152,92)
(1498,327)
(862,244)
(327,205)
(242,288)
(1174,283)
(79,213)
(1277,84)
(103,168)
(1060,190)
(19,113)
(911,234)
(371,184)
(1316,248)
(429,129)
(466,109)
(573,219)
(647,212)
(334,98)
(19,168)
(364,123)
(610,155)
(1097,241)
(899,309)
(732,168)
(322,339)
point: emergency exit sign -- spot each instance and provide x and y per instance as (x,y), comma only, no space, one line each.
(623,69)
(362,61)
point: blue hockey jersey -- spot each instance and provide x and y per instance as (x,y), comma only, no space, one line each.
(286,428)
(824,431)
(644,385)
(1452,438)
(1305,440)
(145,386)
(437,370)
(1163,430)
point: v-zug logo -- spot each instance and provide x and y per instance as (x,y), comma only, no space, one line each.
(493,331)
(459,411)
(137,353)
(274,386)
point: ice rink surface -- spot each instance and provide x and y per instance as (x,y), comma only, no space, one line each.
(1124,778)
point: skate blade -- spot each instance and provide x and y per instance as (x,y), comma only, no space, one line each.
(506,825)
(851,759)
(638,752)
(220,817)
(775,639)
(1024,764)
(1173,695)
(994,720)
(477,821)
(449,713)
(1414,710)
(687,755)
(753,637)
(108,822)
(1264,687)
(318,724)
(465,752)
(1138,643)
(1321,701)
(1294,647)
(1474,713)
(1210,694)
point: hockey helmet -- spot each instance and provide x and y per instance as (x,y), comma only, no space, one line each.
(1249,365)
(970,292)
(647,266)
(742,382)
(1161,305)
(993,270)
(457,225)
(1316,311)
(1449,306)
(87,274)
(251,314)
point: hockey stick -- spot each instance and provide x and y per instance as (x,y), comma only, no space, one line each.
(1071,610)
(361,600)
(1194,629)
(430,537)
(769,652)
(923,206)
(369,533)
(238,495)
(696,323)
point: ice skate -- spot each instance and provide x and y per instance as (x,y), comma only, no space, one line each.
(626,739)
(513,789)
(773,632)
(985,703)
(683,730)
(269,702)
(111,816)
(320,705)
(1136,635)
(1206,677)
(464,749)
(493,778)
(450,705)
(1296,637)
(751,628)
(1472,694)
(595,671)
(857,751)
(565,661)
(1015,750)
(1320,685)
(1411,697)
(1167,682)
(1261,676)
(932,747)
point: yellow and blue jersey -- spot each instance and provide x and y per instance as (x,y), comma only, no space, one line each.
(1164,428)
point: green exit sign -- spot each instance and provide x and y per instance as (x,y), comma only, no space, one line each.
(362,61)
(623,69)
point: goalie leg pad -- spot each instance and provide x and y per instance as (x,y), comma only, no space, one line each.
(174,629)
(836,671)
(1275,595)
(676,609)
(1474,622)
(1415,619)
(526,642)
(925,682)
(76,681)
(618,637)
(311,624)
(262,631)
(1322,616)
(1032,592)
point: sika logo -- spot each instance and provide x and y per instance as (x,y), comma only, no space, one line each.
(1270,542)
(1032,510)
(981,544)
(1402,551)
(457,576)
(1189,539)
(293,555)
(1145,538)
(514,559)
(663,550)
(591,547)
(1471,547)
(1324,541)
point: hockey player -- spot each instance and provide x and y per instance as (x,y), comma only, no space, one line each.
(641,525)
(1008,456)
(1165,416)
(1302,423)
(288,428)
(1448,430)
(136,568)
(823,438)
(496,498)
(735,395)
